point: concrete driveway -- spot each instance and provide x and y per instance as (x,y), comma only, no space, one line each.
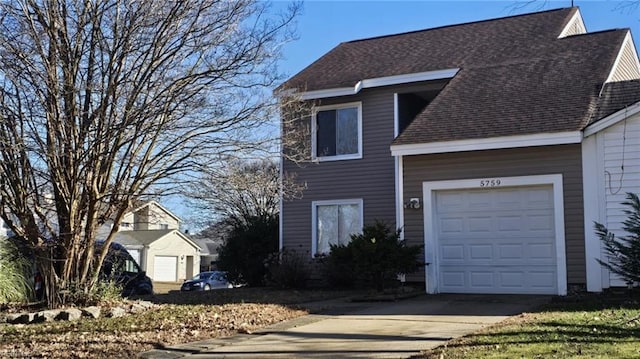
(364,330)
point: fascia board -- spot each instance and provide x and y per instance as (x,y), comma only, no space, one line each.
(612,119)
(379,82)
(542,139)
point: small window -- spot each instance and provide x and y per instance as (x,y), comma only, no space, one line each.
(334,222)
(164,226)
(337,132)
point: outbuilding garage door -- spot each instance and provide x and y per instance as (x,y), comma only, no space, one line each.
(496,240)
(165,268)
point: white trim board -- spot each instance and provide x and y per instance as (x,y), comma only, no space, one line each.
(540,139)
(612,119)
(379,82)
(430,237)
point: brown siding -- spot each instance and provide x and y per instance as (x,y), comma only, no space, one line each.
(565,159)
(370,178)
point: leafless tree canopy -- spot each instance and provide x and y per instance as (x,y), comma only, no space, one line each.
(101,101)
(243,190)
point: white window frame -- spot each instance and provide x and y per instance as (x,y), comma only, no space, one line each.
(314,131)
(314,217)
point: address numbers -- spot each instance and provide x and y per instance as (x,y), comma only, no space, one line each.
(490,182)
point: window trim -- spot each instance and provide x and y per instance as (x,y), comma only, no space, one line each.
(314,131)
(335,202)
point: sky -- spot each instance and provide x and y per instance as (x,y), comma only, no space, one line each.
(325,24)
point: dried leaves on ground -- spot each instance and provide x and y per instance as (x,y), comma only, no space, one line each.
(180,318)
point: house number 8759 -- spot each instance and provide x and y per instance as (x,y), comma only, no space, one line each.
(490,183)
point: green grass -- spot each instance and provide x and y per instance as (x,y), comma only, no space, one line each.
(594,327)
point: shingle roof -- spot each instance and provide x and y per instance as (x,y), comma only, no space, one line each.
(140,237)
(472,44)
(616,96)
(516,76)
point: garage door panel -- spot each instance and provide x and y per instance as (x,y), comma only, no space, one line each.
(165,268)
(482,280)
(452,225)
(496,240)
(455,252)
(479,224)
(480,252)
(503,281)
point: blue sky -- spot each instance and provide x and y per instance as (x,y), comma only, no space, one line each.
(325,24)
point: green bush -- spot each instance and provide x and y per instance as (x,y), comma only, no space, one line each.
(288,269)
(373,258)
(246,250)
(624,252)
(15,273)
(337,267)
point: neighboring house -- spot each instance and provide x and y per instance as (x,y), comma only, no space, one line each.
(210,239)
(151,233)
(4,229)
(496,144)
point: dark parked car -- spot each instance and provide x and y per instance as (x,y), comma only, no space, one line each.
(207,281)
(118,266)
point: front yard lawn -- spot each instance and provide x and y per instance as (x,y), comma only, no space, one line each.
(594,326)
(178,318)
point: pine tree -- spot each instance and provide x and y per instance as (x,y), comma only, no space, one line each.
(624,251)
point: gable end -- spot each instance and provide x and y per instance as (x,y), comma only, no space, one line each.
(575,26)
(626,67)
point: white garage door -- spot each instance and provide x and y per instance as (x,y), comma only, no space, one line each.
(165,268)
(496,241)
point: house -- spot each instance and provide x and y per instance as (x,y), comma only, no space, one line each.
(496,144)
(151,233)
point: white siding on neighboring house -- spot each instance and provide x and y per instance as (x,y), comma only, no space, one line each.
(612,169)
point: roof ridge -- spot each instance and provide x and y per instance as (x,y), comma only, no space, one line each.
(456,25)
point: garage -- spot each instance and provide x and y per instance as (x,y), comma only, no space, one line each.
(165,268)
(495,240)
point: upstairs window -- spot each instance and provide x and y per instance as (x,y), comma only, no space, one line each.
(337,133)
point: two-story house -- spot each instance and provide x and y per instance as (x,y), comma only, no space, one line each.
(151,233)
(496,144)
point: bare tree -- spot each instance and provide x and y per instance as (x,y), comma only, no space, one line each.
(295,127)
(243,190)
(102,102)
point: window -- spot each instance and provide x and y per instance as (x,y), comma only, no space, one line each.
(164,226)
(334,222)
(337,133)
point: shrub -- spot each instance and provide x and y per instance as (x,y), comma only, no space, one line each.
(246,250)
(624,252)
(374,258)
(338,267)
(288,269)
(15,273)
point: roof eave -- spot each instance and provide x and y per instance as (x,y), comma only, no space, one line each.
(612,119)
(492,143)
(379,82)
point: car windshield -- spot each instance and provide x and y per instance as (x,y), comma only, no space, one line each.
(204,275)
